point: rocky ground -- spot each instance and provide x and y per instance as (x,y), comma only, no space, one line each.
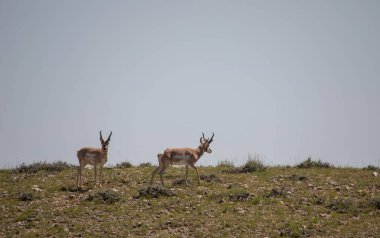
(279,201)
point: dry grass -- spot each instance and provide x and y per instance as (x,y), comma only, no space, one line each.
(288,202)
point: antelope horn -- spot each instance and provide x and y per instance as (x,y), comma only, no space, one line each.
(109,137)
(101,137)
(212,138)
(202,139)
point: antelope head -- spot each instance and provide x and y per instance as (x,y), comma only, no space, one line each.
(205,143)
(105,144)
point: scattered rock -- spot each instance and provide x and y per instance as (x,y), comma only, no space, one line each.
(26,196)
(74,189)
(179,181)
(210,177)
(239,197)
(296,177)
(240,210)
(155,191)
(233,185)
(340,206)
(36,188)
(71,197)
(375,202)
(276,193)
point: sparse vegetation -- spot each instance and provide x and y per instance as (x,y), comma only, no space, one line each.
(26,196)
(105,196)
(309,163)
(145,165)
(371,167)
(155,192)
(281,201)
(226,164)
(375,202)
(57,166)
(124,164)
(253,164)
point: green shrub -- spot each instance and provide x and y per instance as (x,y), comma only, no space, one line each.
(341,206)
(26,196)
(57,166)
(124,164)
(375,202)
(106,196)
(371,167)
(253,164)
(148,164)
(309,163)
(155,192)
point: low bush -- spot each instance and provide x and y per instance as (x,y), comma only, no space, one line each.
(148,164)
(57,166)
(341,206)
(209,177)
(309,163)
(124,164)
(226,163)
(106,196)
(241,197)
(155,192)
(253,164)
(375,202)
(26,196)
(371,167)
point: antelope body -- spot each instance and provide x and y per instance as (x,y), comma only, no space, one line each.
(93,156)
(182,156)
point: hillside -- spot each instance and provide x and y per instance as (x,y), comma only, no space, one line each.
(280,201)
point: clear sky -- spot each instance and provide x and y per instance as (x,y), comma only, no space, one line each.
(283,79)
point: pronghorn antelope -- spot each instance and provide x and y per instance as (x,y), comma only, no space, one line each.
(182,156)
(93,156)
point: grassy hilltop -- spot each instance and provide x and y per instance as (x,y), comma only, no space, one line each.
(42,200)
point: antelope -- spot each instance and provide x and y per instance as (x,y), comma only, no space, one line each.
(182,156)
(93,156)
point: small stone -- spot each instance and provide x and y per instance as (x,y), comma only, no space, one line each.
(37,189)
(375,174)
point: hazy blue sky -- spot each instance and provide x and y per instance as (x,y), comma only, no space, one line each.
(284,79)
